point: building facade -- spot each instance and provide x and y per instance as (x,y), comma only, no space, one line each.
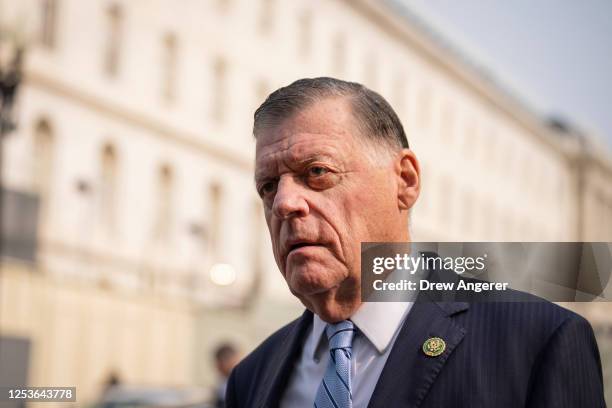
(134,142)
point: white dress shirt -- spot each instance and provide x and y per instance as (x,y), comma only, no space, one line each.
(379,324)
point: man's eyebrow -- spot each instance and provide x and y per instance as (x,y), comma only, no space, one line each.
(263,173)
(258,177)
(306,160)
(316,157)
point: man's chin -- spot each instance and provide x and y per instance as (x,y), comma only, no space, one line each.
(312,289)
(312,279)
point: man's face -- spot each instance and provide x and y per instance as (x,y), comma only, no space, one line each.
(323,194)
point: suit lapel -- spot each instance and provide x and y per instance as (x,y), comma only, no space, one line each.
(409,373)
(283,361)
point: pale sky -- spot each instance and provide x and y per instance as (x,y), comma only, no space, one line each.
(554,54)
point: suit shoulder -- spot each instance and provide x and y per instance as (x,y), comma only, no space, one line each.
(523,306)
(532,316)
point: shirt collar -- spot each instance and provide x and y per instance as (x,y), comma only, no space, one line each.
(378,321)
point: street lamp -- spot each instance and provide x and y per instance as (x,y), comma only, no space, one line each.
(11,64)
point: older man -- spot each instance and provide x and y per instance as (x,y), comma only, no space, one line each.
(333,169)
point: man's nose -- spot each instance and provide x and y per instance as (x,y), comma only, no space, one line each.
(289,199)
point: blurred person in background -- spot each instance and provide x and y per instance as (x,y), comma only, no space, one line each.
(226,358)
(334,169)
(110,387)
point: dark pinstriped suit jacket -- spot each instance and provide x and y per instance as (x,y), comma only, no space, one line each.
(510,354)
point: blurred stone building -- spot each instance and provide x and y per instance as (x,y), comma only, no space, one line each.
(135,238)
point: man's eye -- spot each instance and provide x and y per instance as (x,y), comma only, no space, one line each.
(317,171)
(267,188)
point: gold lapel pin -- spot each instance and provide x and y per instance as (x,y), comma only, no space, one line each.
(434,346)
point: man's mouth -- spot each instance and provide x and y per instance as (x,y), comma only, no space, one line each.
(297,245)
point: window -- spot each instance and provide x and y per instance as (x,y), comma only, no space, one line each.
(424,108)
(467,221)
(526,230)
(506,233)
(399,94)
(112,52)
(507,164)
(471,137)
(305,33)
(42,161)
(527,173)
(371,72)
(602,214)
(42,156)
(165,187)
(219,89)
(256,254)
(266,16)
(491,149)
(492,222)
(447,122)
(486,215)
(169,64)
(257,237)
(223,5)
(426,182)
(513,229)
(48,22)
(446,202)
(591,215)
(215,193)
(608,236)
(108,187)
(339,54)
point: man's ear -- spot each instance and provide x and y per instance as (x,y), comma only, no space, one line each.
(408,179)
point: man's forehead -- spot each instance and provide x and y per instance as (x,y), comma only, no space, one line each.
(327,116)
(301,142)
(324,127)
(300,148)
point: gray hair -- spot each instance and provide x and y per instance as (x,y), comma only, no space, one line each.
(374,116)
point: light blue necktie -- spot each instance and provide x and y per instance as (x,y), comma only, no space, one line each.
(335,389)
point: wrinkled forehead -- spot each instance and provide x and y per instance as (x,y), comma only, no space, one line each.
(324,128)
(300,146)
(298,150)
